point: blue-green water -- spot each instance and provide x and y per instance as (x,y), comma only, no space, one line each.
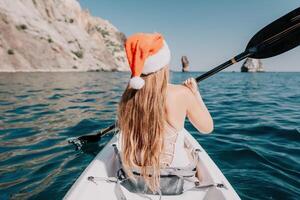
(256,141)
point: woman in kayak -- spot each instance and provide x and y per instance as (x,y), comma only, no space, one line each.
(152,111)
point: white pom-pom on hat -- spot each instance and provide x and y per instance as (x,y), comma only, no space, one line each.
(136,82)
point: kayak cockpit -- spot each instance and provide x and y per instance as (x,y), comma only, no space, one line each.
(106,165)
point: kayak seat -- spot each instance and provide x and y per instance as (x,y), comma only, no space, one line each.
(173,180)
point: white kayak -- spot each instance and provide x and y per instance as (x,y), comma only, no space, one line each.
(105,165)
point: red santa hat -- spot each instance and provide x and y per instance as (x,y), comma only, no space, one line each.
(146,53)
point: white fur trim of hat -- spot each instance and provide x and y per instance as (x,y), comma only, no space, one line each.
(157,61)
(152,64)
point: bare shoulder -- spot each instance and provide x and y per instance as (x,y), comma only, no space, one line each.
(179,90)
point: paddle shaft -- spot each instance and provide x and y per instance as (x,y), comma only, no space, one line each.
(280,36)
(106,130)
(202,77)
(226,64)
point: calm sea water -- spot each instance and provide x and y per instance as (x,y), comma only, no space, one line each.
(256,141)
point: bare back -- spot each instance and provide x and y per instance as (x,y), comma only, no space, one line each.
(181,102)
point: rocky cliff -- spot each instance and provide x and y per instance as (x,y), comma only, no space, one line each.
(252,65)
(57,35)
(185,64)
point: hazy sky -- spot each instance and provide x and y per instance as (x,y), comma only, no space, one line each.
(208,32)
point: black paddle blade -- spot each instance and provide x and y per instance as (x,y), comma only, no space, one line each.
(82,140)
(280,36)
(79,142)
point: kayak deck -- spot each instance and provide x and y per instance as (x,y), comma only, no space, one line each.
(106,164)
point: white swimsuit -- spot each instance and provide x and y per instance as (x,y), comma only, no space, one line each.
(174,153)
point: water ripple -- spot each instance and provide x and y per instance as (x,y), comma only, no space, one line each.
(255,142)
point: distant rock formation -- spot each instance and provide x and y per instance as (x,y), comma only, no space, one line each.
(252,65)
(185,64)
(51,35)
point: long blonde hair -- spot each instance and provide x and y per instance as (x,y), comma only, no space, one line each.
(141,119)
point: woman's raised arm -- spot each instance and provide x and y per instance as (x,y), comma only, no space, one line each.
(197,111)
